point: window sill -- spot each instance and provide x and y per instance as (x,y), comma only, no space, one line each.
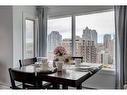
(107,71)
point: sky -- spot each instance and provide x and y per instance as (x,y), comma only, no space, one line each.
(103,23)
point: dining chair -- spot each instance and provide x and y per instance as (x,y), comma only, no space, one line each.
(29,61)
(23,77)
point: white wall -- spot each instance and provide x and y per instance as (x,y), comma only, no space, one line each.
(11,28)
(6,42)
(18,16)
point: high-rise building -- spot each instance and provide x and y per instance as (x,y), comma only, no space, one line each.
(100,56)
(84,48)
(105,52)
(78,44)
(54,40)
(90,35)
(88,48)
(94,36)
(107,40)
(88,51)
(86,34)
(67,43)
(100,51)
(105,58)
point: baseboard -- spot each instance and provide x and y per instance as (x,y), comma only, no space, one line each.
(5,84)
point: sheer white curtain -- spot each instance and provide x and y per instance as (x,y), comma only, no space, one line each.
(42,31)
(121,45)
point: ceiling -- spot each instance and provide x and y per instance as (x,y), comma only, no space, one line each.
(57,11)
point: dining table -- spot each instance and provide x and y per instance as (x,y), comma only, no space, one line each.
(70,75)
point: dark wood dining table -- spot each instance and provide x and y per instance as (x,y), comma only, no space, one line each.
(69,76)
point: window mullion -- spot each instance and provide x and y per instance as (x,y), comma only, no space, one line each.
(73,35)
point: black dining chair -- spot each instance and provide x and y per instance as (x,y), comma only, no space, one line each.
(23,77)
(81,58)
(29,61)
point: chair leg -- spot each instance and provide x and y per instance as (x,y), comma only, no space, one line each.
(23,85)
(64,87)
(38,85)
(56,86)
(79,87)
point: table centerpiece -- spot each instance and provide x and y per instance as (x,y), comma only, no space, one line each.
(59,58)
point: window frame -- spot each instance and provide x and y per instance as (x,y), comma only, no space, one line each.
(32,18)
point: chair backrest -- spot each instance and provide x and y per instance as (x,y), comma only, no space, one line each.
(78,58)
(28,61)
(21,77)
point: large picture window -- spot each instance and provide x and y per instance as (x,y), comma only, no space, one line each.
(94,37)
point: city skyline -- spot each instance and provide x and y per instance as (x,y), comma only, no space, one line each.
(98,21)
(82,34)
(85,46)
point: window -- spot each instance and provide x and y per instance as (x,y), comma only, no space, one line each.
(97,36)
(59,33)
(94,37)
(29,39)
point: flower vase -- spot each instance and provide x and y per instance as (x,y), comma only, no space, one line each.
(60,58)
(59,65)
(59,62)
